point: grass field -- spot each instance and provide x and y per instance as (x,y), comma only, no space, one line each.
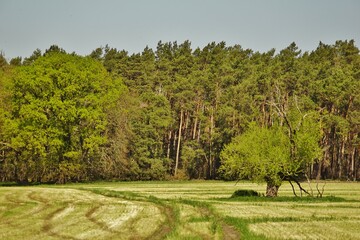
(176,210)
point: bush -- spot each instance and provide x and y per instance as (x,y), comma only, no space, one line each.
(245,193)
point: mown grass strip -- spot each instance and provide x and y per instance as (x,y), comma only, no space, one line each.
(169,210)
(242,226)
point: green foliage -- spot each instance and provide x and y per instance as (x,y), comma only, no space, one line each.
(194,159)
(16,61)
(176,108)
(3,61)
(245,193)
(29,60)
(150,122)
(271,155)
(258,154)
(58,120)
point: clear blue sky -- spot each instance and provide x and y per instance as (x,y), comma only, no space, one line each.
(83,25)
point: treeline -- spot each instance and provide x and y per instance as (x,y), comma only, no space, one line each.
(169,112)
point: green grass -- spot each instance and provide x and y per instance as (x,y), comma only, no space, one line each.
(176,210)
(306,199)
(243,227)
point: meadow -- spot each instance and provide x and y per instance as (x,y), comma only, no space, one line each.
(176,210)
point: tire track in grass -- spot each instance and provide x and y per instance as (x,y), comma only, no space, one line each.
(205,217)
(35,197)
(132,211)
(14,202)
(48,227)
(32,196)
(170,217)
(171,220)
(129,217)
(91,218)
(44,203)
(11,199)
(228,231)
(199,234)
(168,226)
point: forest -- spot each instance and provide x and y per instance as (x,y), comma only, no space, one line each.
(175,112)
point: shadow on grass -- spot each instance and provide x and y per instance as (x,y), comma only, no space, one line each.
(284,199)
(18,184)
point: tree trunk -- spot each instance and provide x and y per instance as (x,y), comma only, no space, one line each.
(341,158)
(199,132)
(178,144)
(211,157)
(195,121)
(194,129)
(353,176)
(186,124)
(168,146)
(272,189)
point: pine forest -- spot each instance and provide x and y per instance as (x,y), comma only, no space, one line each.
(175,112)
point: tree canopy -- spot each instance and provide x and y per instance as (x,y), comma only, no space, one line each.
(173,111)
(271,154)
(56,125)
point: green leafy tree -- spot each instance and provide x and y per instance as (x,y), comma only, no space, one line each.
(36,54)
(57,122)
(5,106)
(17,61)
(149,123)
(267,154)
(259,154)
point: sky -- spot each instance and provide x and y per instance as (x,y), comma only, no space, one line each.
(83,25)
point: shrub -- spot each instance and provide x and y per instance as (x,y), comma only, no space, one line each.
(245,193)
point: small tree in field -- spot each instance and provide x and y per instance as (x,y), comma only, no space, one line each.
(271,155)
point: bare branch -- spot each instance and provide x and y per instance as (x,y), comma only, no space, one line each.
(308,180)
(320,193)
(293,189)
(281,113)
(300,187)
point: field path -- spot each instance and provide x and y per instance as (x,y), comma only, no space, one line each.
(230,233)
(164,229)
